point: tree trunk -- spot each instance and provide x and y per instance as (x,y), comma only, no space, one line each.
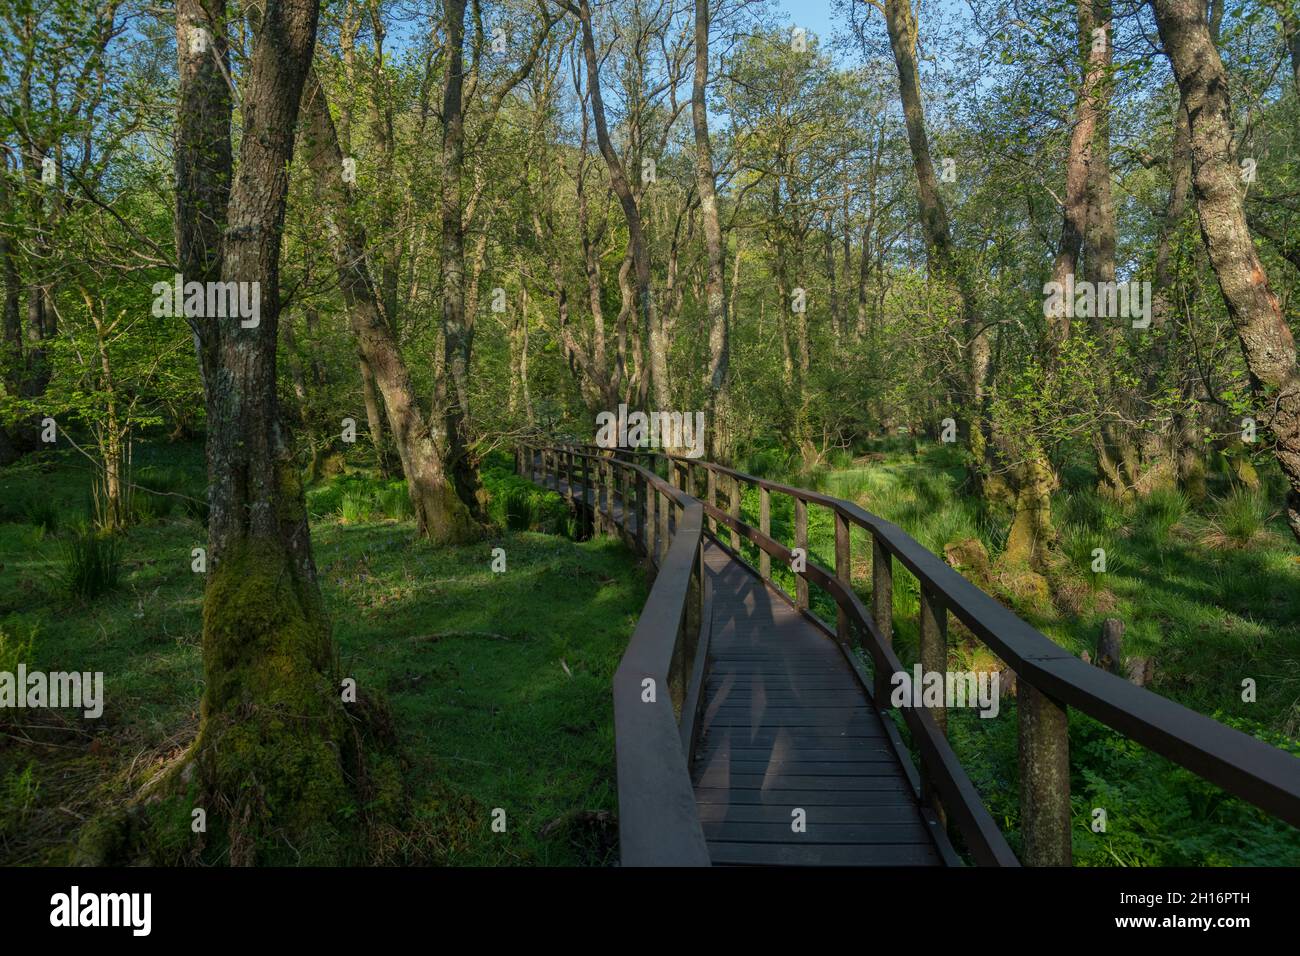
(440,514)
(456,462)
(276,753)
(1266,341)
(646,309)
(715,379)
(374,416)
(902,29)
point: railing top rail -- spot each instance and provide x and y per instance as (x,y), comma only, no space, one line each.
(682,499)
(1243,765)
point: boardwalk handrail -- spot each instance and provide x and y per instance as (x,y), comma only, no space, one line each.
(658,818)
(1049,678)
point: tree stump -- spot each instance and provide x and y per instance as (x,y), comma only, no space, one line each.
(1110,649)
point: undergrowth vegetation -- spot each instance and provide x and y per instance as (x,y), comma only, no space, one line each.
(498,684)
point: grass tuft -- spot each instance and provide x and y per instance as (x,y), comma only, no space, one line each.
(92,563)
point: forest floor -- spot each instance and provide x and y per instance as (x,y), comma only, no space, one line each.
(498,682)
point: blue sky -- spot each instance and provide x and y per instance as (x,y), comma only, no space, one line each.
(816,15)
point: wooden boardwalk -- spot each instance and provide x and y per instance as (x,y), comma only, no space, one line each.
(771,749)
(793,765)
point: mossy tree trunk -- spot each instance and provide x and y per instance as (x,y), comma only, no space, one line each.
(1267,343)
(274,744)
(452,406)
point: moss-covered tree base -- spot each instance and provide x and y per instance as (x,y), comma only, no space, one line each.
(287,767)
(441,515)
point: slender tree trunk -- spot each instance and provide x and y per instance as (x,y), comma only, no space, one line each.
(11,327)
(374,415)
(715,379)
(457,463)
(902,29)
(646,309)
(1266,340)
(440,514)
(1288,16)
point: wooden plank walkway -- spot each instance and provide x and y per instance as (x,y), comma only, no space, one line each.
(786,726)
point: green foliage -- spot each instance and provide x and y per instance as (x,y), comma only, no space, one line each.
(1241,515)
(161,489)
(517,504)
(18,794)
(14,650)
(395,502)
(1079,542)
(1161,511)
(356,497)
(1158,814)
(92,563)
(355,506)
(41,512)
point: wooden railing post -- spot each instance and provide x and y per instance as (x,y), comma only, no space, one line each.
(620,488)
(665,535)
(733,509)
(608,477)
(801,542)
(844,574)
(711,484)
(588,518)
(642,515)
(1044,777)
(651,523)
(882,609)
(934,660)
(934,648)
(765,528)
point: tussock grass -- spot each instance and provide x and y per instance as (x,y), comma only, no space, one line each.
(1240,517)
(92,563)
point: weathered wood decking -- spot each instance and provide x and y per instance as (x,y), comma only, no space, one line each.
(788,728)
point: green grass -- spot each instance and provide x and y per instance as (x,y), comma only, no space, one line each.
(92,563)
(499,684)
